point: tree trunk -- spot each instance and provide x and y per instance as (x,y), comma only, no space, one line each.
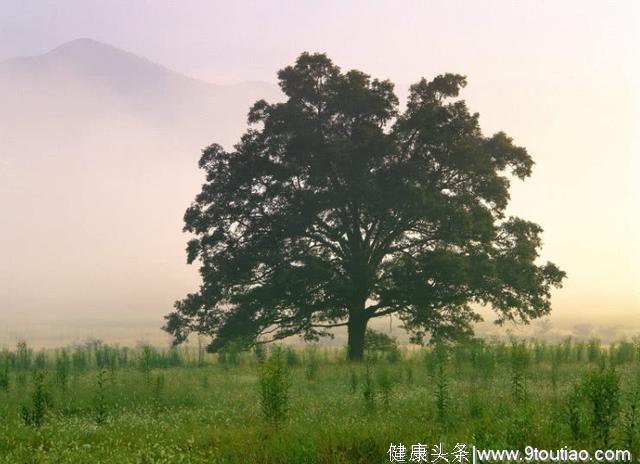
(356,328)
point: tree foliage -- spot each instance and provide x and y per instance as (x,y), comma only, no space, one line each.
(336,207)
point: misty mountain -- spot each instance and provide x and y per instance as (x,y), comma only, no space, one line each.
(86,78)
(98,161)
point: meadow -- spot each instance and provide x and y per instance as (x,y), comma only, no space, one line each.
(95,403)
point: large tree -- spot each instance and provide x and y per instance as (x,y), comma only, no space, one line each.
(336,208)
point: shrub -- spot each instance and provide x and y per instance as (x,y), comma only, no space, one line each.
(566,348)
(158,388)
(624,352)
(485,362)
(440,356)
(602,389)
(630,419)
(430,362)
(260,352)
(40,362)
(555,368)
(146,361)
(580,350)
(274,387)
(573,412)
(4,374)
(174,359)
(442,392)
(63,366)
(539,352)
(291,357)
(222,359)
(230,353)
(311,362)
(23,356)
(200,361)
(385,383)
(100,398)
(394,355)
(593,350)
(519,363)
(434,357)
(353,381)
(379,342)
(79,359)
(35,414)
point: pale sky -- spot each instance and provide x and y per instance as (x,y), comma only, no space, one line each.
(561,77)
(247,40)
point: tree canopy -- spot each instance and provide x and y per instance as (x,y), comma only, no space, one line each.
(336,207)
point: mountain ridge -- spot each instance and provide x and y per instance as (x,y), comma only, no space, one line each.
(86,79)
(76,51)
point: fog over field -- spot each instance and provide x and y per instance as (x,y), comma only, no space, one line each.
(98,161)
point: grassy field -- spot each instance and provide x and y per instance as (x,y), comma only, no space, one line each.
(97,403)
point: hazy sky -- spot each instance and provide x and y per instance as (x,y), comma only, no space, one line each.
(561,77)
(246,40)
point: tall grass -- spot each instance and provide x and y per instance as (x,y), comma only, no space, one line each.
(105,403)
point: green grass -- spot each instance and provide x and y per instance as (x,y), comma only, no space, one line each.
(151,406)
